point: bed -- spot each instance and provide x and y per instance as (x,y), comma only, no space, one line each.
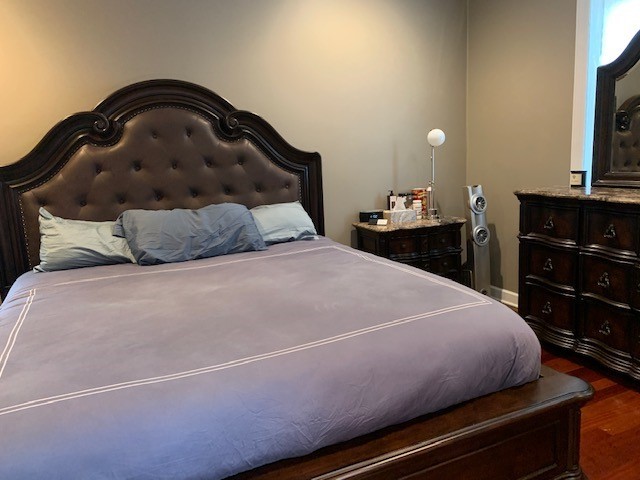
(283,360)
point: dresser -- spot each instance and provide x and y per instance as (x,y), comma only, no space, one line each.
(432,245)
(579,277)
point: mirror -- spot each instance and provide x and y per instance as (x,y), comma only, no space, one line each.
(616,152)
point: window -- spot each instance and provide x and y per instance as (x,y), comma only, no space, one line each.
(603,30)
(621,21)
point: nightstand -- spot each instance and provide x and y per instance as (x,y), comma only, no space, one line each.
(431,245)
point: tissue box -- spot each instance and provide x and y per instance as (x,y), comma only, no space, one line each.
(400,216)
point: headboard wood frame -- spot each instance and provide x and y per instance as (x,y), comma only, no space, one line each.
(157,144)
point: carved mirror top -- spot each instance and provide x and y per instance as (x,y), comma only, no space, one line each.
(616,153)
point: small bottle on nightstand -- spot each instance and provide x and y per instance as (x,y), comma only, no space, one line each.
(417,206)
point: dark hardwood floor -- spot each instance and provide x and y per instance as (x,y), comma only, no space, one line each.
(610,440)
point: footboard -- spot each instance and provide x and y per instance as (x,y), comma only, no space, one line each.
(527,432)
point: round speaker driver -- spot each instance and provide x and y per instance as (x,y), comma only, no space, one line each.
(478,203)
(481,235)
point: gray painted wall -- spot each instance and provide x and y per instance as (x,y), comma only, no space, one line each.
(520,88)
(360,81)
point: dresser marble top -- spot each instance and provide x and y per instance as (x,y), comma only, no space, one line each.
(601,194)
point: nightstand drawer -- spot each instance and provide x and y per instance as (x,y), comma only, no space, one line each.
(446,265)
(426,244)
(441,241)
(553,221)
(403,246)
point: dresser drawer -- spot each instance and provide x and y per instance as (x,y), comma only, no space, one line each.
(607,278)
(634,287)
(553,221)
(611,228)
(551,307)
(551,264)
(588,303)
(608,325)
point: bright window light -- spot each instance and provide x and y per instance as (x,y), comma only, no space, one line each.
(621,22)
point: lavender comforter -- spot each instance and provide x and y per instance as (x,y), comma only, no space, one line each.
(207,368)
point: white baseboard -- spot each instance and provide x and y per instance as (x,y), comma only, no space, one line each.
(505,296)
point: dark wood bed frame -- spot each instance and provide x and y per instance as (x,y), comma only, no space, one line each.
(170,144)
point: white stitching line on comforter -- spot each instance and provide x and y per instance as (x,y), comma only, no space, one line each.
(481,300)
(233,363)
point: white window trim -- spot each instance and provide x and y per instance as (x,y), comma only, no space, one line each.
(587,50)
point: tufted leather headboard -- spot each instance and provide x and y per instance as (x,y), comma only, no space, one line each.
(158,144)
(625,148)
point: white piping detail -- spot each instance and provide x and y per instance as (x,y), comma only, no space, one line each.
(11,341)
(481,300)
(196,267)
(397,266)
(415,272)
(234,363)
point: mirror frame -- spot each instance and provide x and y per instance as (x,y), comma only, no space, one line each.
(607,75)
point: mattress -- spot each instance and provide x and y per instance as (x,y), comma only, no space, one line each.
(207,368)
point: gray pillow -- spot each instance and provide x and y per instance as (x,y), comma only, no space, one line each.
(283,222)
(164,236)
(66,244)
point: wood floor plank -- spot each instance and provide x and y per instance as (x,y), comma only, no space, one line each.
(611,456)
(610,438)
(561,365)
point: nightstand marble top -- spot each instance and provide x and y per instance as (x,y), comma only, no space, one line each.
(391,227)
(602,194)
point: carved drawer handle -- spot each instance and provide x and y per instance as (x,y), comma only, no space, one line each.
(605,328)
(548,225)
(546,308)
(610,232)
(603,281)
(548,265)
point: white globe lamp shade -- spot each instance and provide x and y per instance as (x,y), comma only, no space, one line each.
(436,137)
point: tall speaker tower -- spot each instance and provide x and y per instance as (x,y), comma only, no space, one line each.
(478,259)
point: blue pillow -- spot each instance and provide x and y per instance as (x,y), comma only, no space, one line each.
(164,236)
(66,244)
(283,222)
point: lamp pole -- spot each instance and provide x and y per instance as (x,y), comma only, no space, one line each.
(435,137)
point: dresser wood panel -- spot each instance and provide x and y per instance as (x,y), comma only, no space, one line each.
(551,263)
(550,308)
(607,279)
(610,229)
(555,221)
(610,326)
(579,280)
